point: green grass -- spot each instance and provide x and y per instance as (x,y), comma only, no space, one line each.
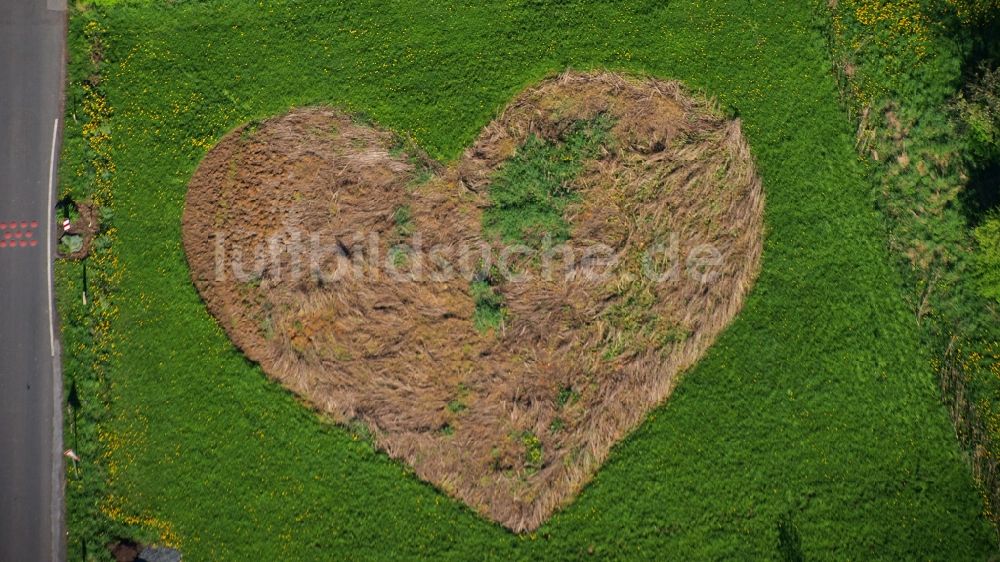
(403,218)
(901,74)
(529,193)
(816,411)
(988,237)
(490,312)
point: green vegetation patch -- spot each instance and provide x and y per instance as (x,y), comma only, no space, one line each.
(988,257)
(817,401)
(403,217)
(533,453)
(490,311)
(931,145)
(530,192)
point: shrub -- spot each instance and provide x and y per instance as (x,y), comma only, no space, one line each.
(979,109)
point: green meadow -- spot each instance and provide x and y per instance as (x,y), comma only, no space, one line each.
(814,422)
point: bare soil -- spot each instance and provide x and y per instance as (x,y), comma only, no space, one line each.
(86,226)
(516,420)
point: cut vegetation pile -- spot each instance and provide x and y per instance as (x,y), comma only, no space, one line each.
(351,267)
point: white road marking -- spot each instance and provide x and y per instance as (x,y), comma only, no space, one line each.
(50,210)
(57,496)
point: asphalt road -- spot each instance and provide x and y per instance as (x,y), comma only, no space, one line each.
(32,45)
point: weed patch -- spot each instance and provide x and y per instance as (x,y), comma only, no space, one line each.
(529,194)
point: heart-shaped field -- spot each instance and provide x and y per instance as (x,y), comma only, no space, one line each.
(501,322)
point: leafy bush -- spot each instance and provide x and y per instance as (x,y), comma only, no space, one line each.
(979,108)
(975,12)
(70,244)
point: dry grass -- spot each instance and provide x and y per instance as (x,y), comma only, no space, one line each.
(515,421)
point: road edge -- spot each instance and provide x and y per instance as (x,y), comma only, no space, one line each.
(58,495)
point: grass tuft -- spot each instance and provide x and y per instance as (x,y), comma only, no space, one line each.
(530,192)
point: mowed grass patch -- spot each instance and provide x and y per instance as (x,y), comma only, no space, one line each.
(816,406)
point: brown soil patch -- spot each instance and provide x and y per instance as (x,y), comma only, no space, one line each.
(514,421)
(86,226)
(125,550)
